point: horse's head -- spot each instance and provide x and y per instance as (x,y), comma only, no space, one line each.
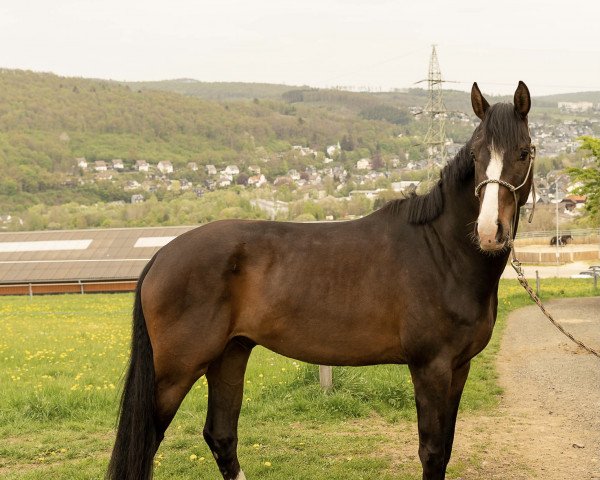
(502,151)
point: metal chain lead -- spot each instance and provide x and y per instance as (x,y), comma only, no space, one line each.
(521,277)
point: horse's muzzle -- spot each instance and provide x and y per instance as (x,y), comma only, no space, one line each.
(492,237)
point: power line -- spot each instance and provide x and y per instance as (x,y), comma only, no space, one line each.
(368,67)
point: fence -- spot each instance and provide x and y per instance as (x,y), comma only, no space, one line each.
(580,236)
(579,232)
(78,286)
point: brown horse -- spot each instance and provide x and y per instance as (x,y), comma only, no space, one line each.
(413,283)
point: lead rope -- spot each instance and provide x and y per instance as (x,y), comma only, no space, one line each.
(515,262)
(519,270)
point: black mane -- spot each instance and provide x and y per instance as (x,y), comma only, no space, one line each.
(427,207)
(502,127)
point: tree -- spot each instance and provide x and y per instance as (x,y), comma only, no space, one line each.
(589,176)
(377,159)
(347,143)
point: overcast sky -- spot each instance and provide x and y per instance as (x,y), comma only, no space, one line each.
(554,46)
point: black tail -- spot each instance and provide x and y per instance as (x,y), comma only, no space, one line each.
(135,445)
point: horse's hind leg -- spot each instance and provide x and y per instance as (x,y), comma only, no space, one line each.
(171,387)
(225,378)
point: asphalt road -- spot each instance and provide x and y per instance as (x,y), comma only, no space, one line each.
(548,271)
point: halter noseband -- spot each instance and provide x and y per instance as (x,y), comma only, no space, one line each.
(513,189)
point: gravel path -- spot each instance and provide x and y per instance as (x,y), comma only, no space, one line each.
(552,391)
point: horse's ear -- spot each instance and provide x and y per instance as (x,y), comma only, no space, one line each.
(522,100)
(480,104)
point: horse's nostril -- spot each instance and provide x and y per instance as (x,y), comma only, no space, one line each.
(499,233)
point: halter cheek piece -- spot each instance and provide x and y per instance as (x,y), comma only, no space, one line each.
(513,189)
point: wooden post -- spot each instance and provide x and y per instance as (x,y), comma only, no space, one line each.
(537,283)
(326,377)
(595,270)
(30,291)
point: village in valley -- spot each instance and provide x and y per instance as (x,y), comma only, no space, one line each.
(106,154)
(325,175)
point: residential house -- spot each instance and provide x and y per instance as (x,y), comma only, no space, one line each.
(193,166)
(137,198)
(231,170)
(82,163)
(257,180)
(117,164)
(254,169)
(224,182)
(333,150)
(100,166)
(164,166)
(211,170)
(364,164)
(304,151)
(575,106)
(142,166)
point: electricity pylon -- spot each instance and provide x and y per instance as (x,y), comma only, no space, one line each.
(435,138)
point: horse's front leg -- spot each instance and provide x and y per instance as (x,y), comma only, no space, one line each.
(433,396)
(459,377)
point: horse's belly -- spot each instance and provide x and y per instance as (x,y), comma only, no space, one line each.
(327,339)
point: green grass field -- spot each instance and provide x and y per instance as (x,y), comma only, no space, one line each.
(61,365)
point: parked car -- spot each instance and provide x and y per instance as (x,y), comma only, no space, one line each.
(587,274)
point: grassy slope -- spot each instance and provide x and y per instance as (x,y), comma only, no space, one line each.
(46,121)
(60,362)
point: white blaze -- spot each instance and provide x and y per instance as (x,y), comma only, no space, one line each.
(486,222)
(240,476)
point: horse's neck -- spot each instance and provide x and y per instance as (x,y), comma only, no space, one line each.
(461,209)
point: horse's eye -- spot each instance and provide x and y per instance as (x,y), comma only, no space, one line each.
(473,157)
(524,155)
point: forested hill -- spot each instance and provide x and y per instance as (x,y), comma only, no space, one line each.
(216,90)
(46,121)
(413,97)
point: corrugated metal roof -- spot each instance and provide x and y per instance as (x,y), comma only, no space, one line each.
(51,256)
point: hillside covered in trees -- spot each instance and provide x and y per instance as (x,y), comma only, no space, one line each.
(61,140)
(47,121)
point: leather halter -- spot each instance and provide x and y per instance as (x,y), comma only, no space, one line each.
(513,189)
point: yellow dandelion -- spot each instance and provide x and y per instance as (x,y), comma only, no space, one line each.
(267,464)
(193,457)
